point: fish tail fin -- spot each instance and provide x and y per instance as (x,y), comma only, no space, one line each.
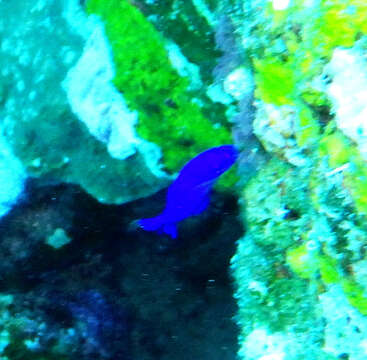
(151,224)
(158,224)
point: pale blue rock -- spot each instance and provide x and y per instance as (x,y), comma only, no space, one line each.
(12,178)
(64,124)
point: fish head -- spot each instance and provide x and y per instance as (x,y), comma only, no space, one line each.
(224,158)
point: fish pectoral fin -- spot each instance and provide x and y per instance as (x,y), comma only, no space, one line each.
(151,224)
(204,203)
(159,225)
(206,186)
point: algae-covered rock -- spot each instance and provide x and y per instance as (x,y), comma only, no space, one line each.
(65,128)
(300,269)
(273,219)
(146,73)
(303,236)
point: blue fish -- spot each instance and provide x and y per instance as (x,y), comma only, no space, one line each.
(189,194)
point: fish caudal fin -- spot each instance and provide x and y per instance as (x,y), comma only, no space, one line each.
(158,224)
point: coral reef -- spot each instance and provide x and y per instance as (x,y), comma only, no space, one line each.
(299,269)
(103,101)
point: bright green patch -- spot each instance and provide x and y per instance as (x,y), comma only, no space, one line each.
(228,180)
(306,264)
(356,295)
(308,128)
(328,269)
(315,98)
(275,83)
(302,262)
(168,115)
(341,151)
(337,147)
(336,24)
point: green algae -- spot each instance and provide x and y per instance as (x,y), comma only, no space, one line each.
(299,245)
(168,114)
(283,77)
(356,294)
(337,148)
(318,241)
(301,261)
(313,30)
(263,289)
(308,127)
(338,23)
(341,151)
(273,218)
(328,269)
(275,82)
(181,21)
(308,265)
(308,34)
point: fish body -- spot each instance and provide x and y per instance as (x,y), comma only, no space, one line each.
(189,194)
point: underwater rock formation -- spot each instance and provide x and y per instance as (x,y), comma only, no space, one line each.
(114,96)
(299,269)
(46,129)
(148,69)
(104,103)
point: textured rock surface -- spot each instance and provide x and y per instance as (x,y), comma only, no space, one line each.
(42,124)
(300,268)
(173,110)
(12,175)
(77,281)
